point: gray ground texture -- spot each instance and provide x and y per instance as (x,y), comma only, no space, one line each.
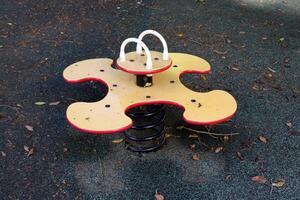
(253,47)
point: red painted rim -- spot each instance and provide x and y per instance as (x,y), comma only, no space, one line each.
(153,71)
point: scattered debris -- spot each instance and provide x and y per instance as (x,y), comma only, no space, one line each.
(259,179)
(40,103)
(196,157)
(289,124)
(192,146)
(220,52)
(54,103)
(271,70)
(278,183)
(281,39)
(219,149)
(29,128)
(193,136)
(205,132)
(3,153)
(180,35)
(118,141)
(240,156)
(158,196)
(262,139)
(29,151)
(228,177)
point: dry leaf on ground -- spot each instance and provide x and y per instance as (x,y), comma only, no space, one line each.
(29,128)
(40,103)
(118,141)
(240,156)
(289,124)
(262,139)
(219,149)
(196,157)
(279,183)
(158,196)
(54,103)
(259,179)
(192,146)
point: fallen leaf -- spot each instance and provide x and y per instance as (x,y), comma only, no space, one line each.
(168,135)
(26,148)
(203,77)
(40,103)
(54,103)
(158,196)
(281,39)
(289,124)
(10,24)
(227,177)
(193,136)
(30,152)
(29,128)
(259,179)
(240,156)
(3,153)
(219,149)
(118,141)
(192,146)
(242,32)
(263,139)
(65,149)
(180,35)
(264,38)
(226,139)
(279,183)
(220,52)
(271,70)
(180,127)
(196,157)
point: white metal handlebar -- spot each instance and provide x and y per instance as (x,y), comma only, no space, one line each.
(160,37)
(142,45)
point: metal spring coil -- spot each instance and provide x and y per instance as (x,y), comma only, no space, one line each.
(147,132)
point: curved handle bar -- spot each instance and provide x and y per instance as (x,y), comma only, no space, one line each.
(140,43)
(160,37)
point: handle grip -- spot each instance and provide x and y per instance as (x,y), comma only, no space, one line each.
(160,37)
(142,45)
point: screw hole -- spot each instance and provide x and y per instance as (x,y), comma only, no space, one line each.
(142,54)
(148,97)
(107,105)
(101,70)
(145,64)
(175,66)
(172,81)
(193,100)
(115,85)
(131,60)
(156,58)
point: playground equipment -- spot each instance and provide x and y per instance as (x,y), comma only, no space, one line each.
(137,90)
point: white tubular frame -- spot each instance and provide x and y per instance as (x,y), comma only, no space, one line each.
(160,37)
(142,45)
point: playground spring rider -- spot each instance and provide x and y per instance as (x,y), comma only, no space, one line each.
(137,90)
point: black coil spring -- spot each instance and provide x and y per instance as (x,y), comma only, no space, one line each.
(147,132)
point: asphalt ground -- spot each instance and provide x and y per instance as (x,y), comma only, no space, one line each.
(254,49)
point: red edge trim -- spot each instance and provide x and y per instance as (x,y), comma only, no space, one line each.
(144,103)
(153,71)
(150,103)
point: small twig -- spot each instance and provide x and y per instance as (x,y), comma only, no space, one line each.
(210,133)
